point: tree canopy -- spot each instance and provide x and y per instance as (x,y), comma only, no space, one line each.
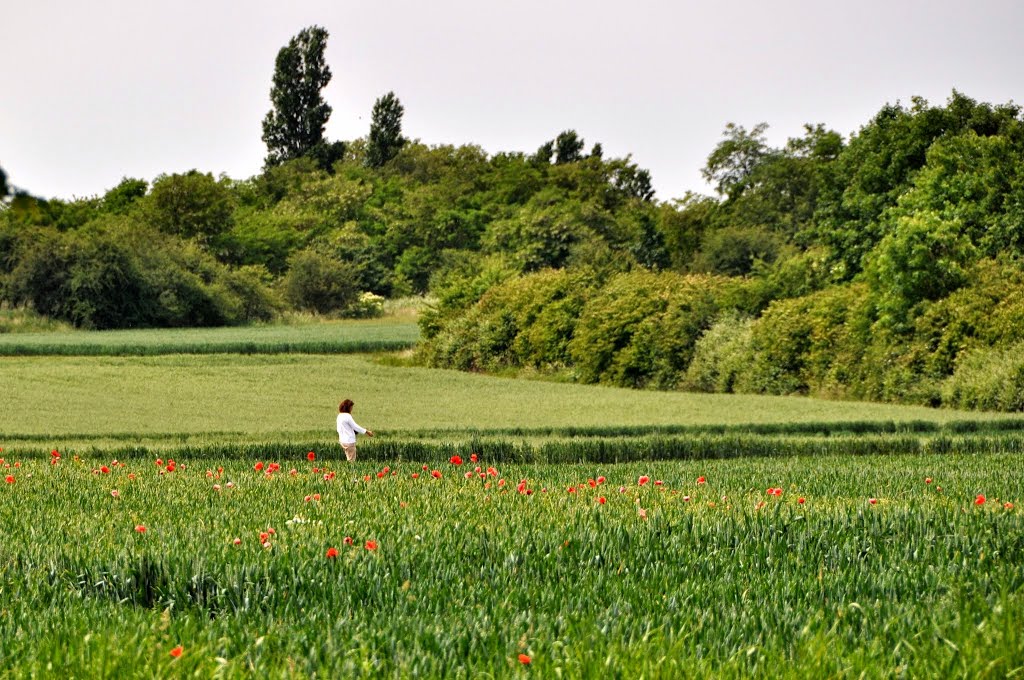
(294,126)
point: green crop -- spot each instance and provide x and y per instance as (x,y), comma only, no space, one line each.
(374,335)
(795,567)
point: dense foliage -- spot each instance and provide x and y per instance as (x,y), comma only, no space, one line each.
(883,266)
(887,266)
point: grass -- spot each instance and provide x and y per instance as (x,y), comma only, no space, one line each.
(681,579)
(284,397)
(370,335)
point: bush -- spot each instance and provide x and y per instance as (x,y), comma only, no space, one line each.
(368,306)
(640,329)
(988,379)
(813,344)
(525,321)
(116,274)
(318,283)
(721,355)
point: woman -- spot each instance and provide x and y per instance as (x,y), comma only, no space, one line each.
(347,429)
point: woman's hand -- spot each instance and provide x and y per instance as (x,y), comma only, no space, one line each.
(369,433)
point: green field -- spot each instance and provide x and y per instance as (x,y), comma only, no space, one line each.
(678,579)
(369,335)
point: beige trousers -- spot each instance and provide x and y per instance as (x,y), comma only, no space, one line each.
(350,452)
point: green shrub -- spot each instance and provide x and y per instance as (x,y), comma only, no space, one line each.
(721,355)
(525,321)
(640,328)
(989,379)
(814,343)
(319,283)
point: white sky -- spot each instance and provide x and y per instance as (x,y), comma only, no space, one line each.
(96,91)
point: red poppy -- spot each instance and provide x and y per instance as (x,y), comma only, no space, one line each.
(602,500)
(139,528)
(159,462)
(591,483)
(927,480)
(801,500)
(415,475)
(104,469)
(658,482)
(571,489)
(55,454)
(873,501)
(455,460)
(310,456)
(701,480)
(600,480)
(347,540)
(980,499)
(258,467)
(170,467)
(643,480)
(371,545)
(332,552)
(524,659)
(425,467)
(380,475)
(1008,505)
(316,496)
(176,652)
(436,474)
(469,474)
(9,479)
(473,457)
(492,472)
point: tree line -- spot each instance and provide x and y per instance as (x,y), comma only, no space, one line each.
(883,265)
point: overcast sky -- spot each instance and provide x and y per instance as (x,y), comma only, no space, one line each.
(96,91)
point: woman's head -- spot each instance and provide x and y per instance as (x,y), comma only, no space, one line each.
(346,406)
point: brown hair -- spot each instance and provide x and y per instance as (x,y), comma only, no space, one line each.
(346,406)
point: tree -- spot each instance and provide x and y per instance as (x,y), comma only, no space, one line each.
(3,184)
(294,127)
(385,131)
(924,257)
(123,196)
(734,159)
(568,147)
(190,205)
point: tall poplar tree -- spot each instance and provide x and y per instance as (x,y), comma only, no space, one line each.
(385,131)
(294,127)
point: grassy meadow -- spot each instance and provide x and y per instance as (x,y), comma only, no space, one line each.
(370,335)
(603,532)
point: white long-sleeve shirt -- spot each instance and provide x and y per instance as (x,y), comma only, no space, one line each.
(347,428)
